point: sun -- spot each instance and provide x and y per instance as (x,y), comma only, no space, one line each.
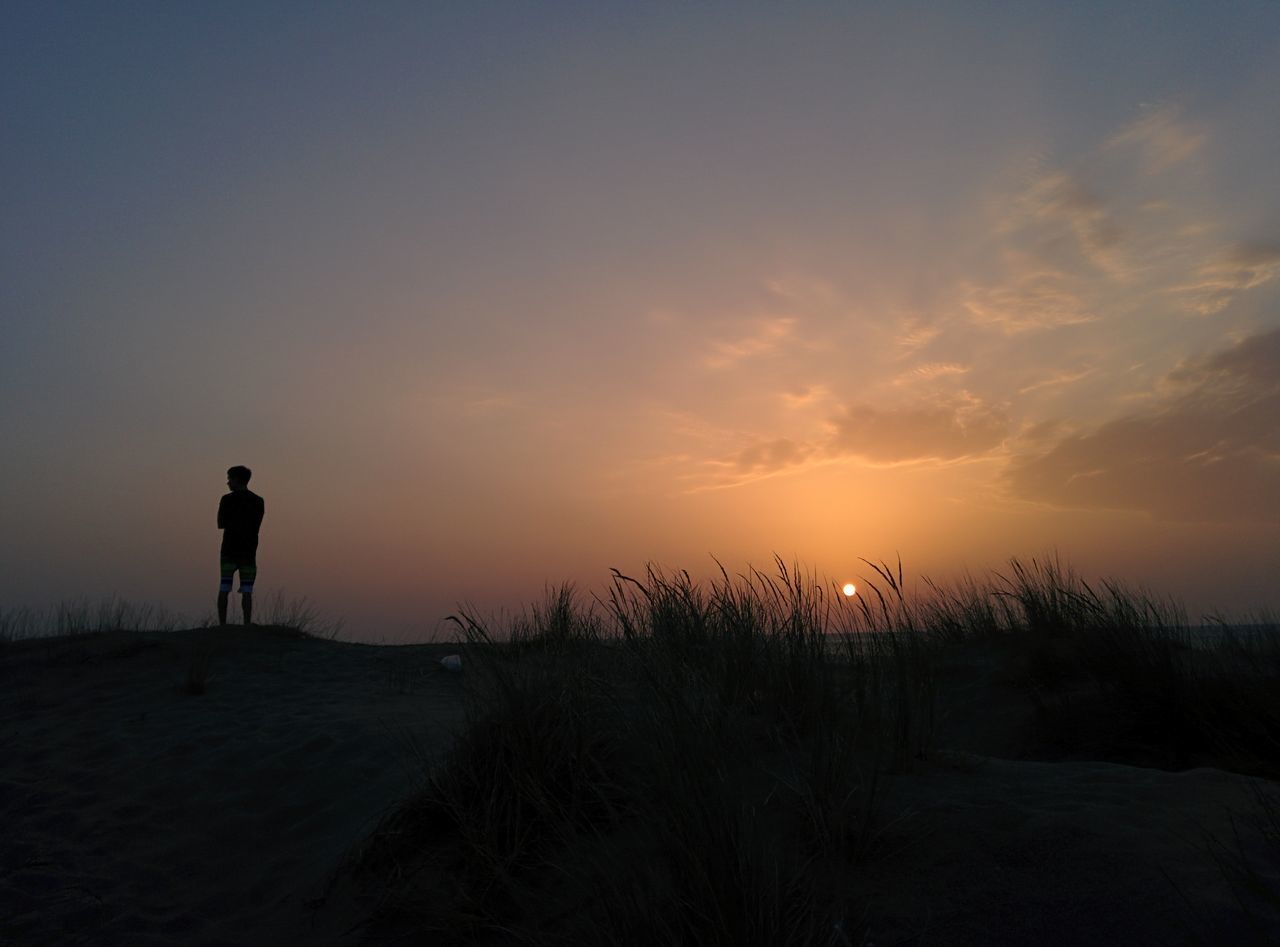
(850,589)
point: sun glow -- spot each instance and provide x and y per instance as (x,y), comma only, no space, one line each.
(849,589)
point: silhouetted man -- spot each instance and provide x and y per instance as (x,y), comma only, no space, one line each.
(239,516)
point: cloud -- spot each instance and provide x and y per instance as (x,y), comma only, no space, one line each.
(1045,432)
(960,429)
(949,431)
(770,456)
(805,397)
(769,334)
(1208,451)
(1254,362)
(914,335)
(1161,138)
(1057,379)
(1037,299)
(1119,226)
(1243,267)
(1060,203)
(930,371)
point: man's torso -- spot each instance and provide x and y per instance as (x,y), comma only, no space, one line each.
(240,513)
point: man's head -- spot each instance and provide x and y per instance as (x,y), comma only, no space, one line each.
(238,477)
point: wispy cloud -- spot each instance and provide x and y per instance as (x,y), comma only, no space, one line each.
(1059,203)
(1057,379)
(959,428)
(930,371)
(806,397)
(1208,450)
(769,456)
(1242,267)
(1162,138)
(914,335)
(1034,299)
(760,459)
(1083,240)
(1112,245)
(962,428)
(769,334)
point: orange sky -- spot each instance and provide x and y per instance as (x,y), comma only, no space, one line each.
(494,298)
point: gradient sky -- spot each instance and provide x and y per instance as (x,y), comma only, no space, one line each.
(491,295)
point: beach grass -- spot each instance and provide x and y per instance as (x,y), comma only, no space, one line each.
(119,629)
(299,614)
(685,762)
(76,617)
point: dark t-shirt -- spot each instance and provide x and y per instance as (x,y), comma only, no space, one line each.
(239,516)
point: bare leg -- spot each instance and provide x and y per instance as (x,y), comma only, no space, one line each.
(246,603)
(222,608)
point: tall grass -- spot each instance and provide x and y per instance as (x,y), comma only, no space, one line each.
(675,761)
(299,615)
(83,616)
(706,741)
(1150,679)
(1114,670)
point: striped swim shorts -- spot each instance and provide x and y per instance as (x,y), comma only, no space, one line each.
(246,566)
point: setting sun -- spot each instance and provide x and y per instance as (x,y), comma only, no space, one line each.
(849,589)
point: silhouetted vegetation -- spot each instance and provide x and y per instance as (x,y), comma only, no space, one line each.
(84,617)
(684,762)
(679,762)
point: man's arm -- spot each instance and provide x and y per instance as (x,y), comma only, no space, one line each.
(221,521)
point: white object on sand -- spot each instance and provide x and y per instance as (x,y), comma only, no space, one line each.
(452,662)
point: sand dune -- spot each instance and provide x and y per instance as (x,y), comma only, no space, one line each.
(1021,852)
(136,813)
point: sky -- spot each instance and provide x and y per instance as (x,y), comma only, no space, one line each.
(492,296)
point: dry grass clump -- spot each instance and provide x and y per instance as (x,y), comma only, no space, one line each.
(79,617)
(1121,674)
(670,764)
(285,617)
(1114,671)
(684,762)
(81,631)
(297,615)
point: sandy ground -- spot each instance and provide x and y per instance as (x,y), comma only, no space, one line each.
(1002,852)
(135,813)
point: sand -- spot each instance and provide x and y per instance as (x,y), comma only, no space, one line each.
(1006,852)
(136,813)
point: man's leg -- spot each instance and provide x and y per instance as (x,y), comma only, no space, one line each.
(248,573)
(228,569)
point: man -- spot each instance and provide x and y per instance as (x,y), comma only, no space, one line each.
(239,516)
